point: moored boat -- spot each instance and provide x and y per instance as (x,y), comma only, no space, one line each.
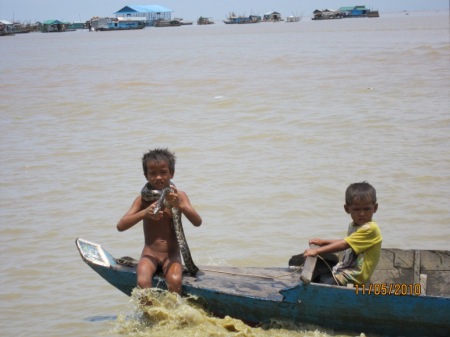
(293,18)
(204,21)
(233,19)
(119,23)
(327,14)
(183,22)
(408,296)
(166,23)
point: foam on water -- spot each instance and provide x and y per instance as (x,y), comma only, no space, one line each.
(159,313)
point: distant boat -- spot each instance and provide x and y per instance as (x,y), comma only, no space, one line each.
(233,19)
(327,14)
(21,29)
(204,21)
(167,23)
(292,18)
(184,23)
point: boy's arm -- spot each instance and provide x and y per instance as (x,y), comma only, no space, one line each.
(334,247)
(321,242)
(136,213)
(180,200)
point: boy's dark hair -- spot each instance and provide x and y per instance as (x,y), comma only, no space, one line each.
(159,155)
(360,192)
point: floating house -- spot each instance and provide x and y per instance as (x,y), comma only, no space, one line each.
(345,12)
(152,13)
(106,24)
(6,28)
(354,11)
(358,12)
(272,17)
(54,26)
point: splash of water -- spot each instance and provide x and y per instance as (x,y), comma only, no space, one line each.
(159,313)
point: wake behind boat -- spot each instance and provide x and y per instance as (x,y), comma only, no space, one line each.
(409,295)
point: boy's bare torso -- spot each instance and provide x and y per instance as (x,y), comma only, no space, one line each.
(159,235)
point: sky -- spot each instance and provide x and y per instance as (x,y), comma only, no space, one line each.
(83,10)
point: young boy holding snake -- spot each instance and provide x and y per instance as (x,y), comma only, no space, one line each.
(161,249)
(363,242)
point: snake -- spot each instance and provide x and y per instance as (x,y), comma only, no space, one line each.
(149,194)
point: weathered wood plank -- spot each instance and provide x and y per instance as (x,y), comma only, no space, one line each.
(403,258)
(416,274)
(423,284)
(308,268)
(435,260)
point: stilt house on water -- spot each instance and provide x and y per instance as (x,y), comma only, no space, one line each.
(152,13)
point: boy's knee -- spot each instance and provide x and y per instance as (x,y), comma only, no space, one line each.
(174,279)
(174,282)
(144,282)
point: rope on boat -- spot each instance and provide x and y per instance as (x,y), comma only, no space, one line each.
(331,269)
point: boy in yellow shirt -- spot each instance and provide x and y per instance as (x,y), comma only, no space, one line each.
(363,242)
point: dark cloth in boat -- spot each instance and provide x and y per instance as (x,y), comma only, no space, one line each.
(323,269)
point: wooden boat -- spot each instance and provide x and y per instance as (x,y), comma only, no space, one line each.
(205,21)
(327,14)
(409,295)
(183,22)
(167,23)
(293,18)
(233,19)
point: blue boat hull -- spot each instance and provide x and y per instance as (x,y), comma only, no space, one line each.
(256,295)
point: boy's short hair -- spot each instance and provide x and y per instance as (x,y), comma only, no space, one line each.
(360,192)
(159,155)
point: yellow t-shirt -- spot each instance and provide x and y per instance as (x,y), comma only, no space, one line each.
(361,259)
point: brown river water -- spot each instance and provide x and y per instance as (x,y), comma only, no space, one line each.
(270,124)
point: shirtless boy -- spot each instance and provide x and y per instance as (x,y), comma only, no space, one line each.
(161,246)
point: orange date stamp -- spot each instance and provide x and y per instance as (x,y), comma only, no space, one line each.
(395,289)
